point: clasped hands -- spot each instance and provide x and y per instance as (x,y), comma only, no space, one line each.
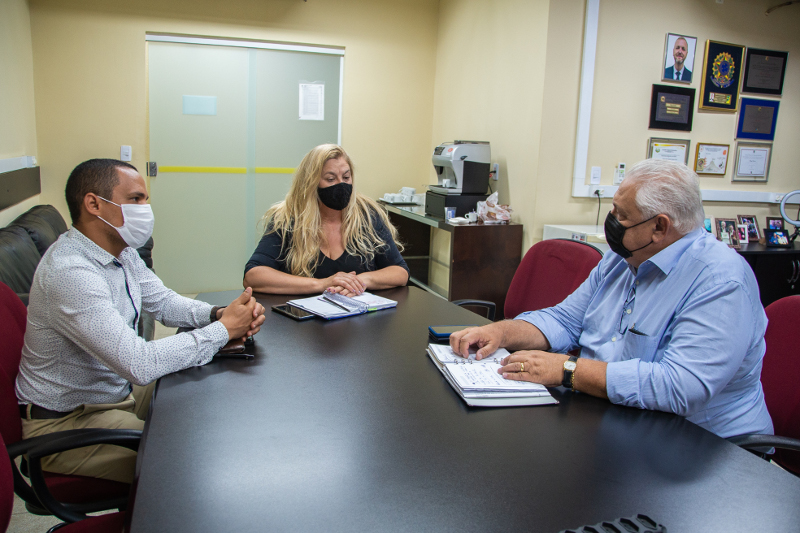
(243,317)
(346,283)
(536,366)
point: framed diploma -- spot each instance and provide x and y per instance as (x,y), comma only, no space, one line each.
(757,119)
(752,161)
(764,71)
(668,150)
(722,71)
(671,108)
(711,159)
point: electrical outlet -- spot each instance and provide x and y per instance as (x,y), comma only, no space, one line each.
(601,191)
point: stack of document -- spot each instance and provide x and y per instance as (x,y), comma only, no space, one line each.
(479,384)
(330,305)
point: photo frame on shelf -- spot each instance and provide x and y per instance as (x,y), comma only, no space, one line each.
(668,149)
(774,223)
(710,223)
(753,231)
(727,232)
(764,71)
(679,51)
(757,119)
(744,238)
(711,159)
(722,71)
(671,108)
(752,161)
(777,238)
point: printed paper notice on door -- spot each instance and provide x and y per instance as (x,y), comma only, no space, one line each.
(312,101)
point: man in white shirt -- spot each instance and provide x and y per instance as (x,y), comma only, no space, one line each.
(83,364)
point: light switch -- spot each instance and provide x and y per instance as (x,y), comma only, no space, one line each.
(595,179)
(125,153)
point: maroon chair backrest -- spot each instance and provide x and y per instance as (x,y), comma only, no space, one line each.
(13,316)
(550,271)
(781,373)
(6,488)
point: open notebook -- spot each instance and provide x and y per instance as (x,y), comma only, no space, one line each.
(330,305)
(479,384)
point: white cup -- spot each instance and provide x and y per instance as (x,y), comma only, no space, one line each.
(472,217)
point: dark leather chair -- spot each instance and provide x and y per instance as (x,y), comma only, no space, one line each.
(67,496)
(779,377)
(550,271)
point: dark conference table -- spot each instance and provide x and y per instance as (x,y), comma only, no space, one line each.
(346,425)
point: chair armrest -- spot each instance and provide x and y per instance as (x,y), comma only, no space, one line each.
(765,441)
(491,307)
(36,448)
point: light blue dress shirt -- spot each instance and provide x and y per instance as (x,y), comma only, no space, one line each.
(684,333)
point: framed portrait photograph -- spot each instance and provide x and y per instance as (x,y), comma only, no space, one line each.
(711,159)
(764,71)
(774,223)
(742,234)
(777,238)
(727,232)
(750,221)
(722,71)
(752,161)
(757,119)
(671,108)
(710,224)
(679,58)
(668,149)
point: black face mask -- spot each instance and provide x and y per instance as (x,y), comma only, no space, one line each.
(336,196)
(615,232)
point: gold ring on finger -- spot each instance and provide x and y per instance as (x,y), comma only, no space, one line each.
(522,367)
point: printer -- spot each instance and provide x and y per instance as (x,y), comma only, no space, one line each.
(462,171)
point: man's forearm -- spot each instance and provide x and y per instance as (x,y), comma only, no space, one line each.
(522,335)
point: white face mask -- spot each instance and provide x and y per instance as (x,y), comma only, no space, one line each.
(137,223)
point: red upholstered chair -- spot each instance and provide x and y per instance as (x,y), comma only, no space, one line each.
(78,494)
(779,377)
(96,524)
(550,271)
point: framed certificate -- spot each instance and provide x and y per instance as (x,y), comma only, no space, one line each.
(711,159)
(722,71)
(752,161)
(671,108)
(764,71)
(669,150)
(757,119)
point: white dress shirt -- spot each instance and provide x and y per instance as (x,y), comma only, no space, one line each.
(81,345)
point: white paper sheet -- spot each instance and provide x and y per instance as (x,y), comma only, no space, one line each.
(445,354)
(312,101)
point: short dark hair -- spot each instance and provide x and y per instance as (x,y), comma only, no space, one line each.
(98,176)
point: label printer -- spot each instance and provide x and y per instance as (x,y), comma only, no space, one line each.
(462,170)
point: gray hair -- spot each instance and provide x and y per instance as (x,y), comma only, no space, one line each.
(669,188)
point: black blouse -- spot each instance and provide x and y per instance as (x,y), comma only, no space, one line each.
(268,253)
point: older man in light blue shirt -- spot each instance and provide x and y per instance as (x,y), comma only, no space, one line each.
(669,320)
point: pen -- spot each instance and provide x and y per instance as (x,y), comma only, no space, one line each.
(330,301)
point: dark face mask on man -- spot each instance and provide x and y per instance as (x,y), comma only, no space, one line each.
(335,197)
(615,232)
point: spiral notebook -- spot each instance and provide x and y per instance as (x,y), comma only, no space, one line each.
(330,305)
(479,384)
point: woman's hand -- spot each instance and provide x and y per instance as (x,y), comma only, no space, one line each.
(345,283)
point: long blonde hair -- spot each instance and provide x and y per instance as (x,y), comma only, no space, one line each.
(298,216)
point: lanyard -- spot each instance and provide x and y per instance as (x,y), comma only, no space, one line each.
(128,290)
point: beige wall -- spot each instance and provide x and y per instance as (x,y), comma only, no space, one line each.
(630,49)
(490,64)
(17,117)
(90,72)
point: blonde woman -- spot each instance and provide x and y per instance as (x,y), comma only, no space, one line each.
(325,236)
